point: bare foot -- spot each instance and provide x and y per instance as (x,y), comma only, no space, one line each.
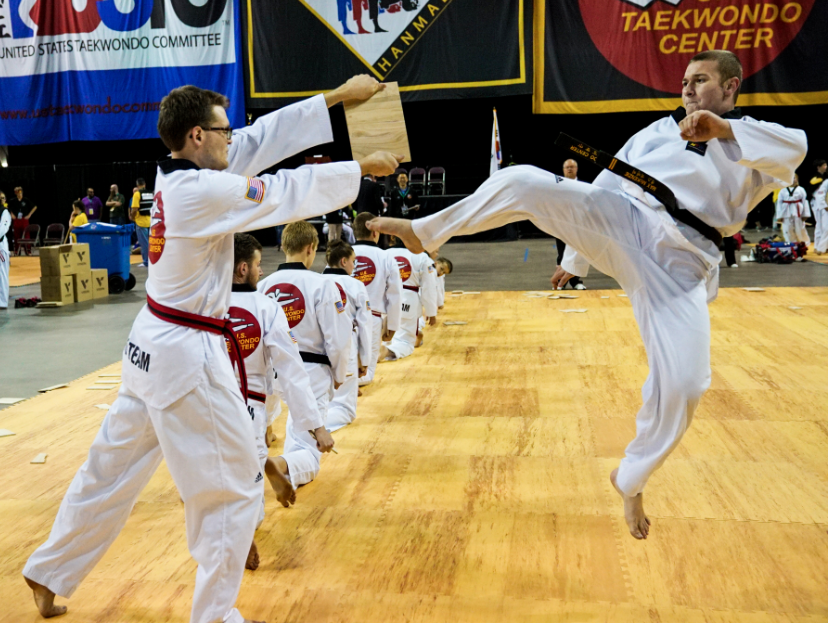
(359,391)
(45,600)
(383,352)
(637,521)
(418,341)
(277,473)
(252,557)
(399,227)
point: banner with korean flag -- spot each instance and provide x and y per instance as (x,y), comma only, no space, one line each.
(97,70)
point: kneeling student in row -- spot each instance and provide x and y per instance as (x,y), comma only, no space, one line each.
(419,294)
(267,346)
(317,318)
(443,266)
(341,259)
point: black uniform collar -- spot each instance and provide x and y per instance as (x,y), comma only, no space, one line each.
(292,266)
(168,165)
(335,271)
(243,287)
(368,243)
(679,114)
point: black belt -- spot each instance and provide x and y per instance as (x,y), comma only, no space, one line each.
(639,178)
(412,288)
(315,358)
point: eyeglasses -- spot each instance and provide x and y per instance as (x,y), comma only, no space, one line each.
(228,131)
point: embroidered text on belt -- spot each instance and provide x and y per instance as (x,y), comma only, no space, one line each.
(412,288)
(657,189)
(210,325)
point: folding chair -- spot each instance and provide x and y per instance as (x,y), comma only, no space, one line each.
(416,179)
(436,180)
(54,235)
(30,238)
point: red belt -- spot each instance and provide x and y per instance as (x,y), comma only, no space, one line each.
(210,325)
(412,288)
(376,313)
(251,395)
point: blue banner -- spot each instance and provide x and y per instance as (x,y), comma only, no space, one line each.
(84,70)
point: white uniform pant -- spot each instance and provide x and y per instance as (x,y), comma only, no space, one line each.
(206,438)
(793,230)
(4,273)
(666,284)
(342,410)
(402,344)
(301,453)
(821,232)
(258,414)
(376,339)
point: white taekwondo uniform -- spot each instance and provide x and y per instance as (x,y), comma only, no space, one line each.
(317,318)
(441,291)
(793,208)
(5,225)
(180,400)
(668,270)
(270,351)
(820,208)
(419,282)
(377,269)
(342,410)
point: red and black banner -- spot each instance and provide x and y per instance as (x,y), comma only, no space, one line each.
(594,56)
(435,49)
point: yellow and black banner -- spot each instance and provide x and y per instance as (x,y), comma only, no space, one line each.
(594,56)
(435,49)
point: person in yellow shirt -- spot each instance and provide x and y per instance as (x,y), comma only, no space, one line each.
(139,212)
(77,219)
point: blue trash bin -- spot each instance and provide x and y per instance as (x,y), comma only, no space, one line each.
(109,248)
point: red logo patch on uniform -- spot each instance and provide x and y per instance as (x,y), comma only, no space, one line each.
(157,229)
(342,296)
(291,299)
(364,269)
(247,329)
(405,267)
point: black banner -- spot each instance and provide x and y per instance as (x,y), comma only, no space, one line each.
(435,49)
(594,56)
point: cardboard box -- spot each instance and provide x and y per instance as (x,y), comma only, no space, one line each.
(57,261)
(82,285)
(81,257)
(58,289)
(100,283)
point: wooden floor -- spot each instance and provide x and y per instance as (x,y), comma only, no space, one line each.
(24,270)
(473,487)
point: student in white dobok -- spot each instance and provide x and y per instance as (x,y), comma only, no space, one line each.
(719,165)
(792,208)
(341,258)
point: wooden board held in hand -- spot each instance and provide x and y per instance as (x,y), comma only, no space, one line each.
(378,124)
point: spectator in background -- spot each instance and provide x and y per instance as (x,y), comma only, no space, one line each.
(334,221)
(403,201)
(21,206)
(78,217)
(5,227)
(369,198)
(570,171)
(117,206)
(92,206)
(815,182)
(139,212)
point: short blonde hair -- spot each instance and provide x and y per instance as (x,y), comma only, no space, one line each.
(297,236)
(727,63)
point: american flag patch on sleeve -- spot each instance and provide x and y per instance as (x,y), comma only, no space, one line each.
(293,337)
(340,307)
(255,189)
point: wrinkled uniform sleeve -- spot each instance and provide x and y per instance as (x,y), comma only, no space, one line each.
(221,203)
(769,148)
(393,293)
(279,135)
(364,321)
(428,289)
(293,379)
(574,263)
(336,329)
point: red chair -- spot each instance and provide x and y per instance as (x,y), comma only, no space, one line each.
(54,235)
(436,181)
(30,238)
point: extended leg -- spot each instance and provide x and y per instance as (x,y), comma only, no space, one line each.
(122,459)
